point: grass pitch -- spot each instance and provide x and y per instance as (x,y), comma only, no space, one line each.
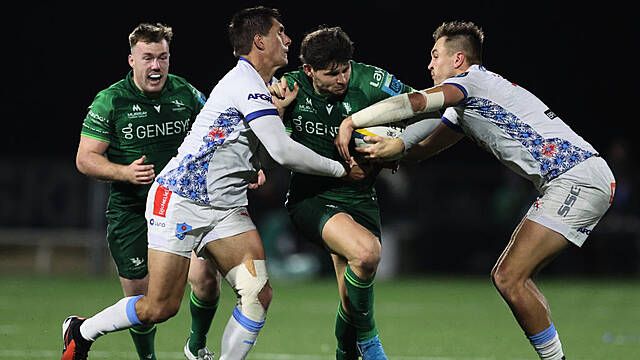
(432,318)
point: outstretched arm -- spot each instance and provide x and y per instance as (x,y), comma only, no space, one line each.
(397,108)
(290,154)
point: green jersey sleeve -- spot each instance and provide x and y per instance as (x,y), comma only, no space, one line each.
(376,83)
(97,123)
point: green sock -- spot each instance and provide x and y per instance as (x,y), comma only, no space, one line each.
(346,336)
(144,339)
(202,313)
(360,294)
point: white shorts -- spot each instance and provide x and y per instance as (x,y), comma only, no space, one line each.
(177,225)
(574,202)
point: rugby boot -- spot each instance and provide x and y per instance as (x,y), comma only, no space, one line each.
(75,347)
(203,354)
(372,349)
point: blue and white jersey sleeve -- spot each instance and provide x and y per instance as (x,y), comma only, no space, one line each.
(515,126)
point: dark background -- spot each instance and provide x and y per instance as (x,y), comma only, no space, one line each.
(453,213)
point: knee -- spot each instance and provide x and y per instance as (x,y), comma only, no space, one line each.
(265,296)
(369,255)
(506,280)
(253,289)
(159,312)
(206,286)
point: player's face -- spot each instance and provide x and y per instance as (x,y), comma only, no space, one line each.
(332,81)
(277,44)
(150,63)
(442,62)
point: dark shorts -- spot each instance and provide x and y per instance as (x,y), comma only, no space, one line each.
(127,237)
(310,215)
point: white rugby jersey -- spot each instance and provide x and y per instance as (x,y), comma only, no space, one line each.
(515,126)
(216,161)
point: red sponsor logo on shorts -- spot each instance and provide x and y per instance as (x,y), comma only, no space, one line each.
(161,201)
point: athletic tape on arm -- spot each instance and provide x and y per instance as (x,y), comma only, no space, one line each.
(395,108)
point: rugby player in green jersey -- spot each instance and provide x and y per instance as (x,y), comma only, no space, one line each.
(133,128)
(342,216)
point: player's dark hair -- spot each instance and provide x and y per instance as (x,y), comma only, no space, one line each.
(247,23)
(326,47)
(150,33)
(462,36)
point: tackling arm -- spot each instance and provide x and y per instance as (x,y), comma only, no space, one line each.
(290,154)
(396,108)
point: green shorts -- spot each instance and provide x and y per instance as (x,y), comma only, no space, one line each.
(127,237)
(310,215)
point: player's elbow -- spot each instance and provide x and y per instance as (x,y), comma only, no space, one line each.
(82,163)
(283,155)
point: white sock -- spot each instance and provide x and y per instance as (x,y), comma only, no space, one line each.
(119,316)
(239,336)
(547,344)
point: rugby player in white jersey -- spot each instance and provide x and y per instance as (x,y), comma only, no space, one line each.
(198,201)
(576,185)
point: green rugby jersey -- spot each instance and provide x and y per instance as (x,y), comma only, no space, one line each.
(135,125)
(313,121)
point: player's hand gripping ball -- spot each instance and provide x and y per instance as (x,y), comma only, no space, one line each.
(388,130)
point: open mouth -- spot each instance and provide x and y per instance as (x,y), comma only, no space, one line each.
(154,77)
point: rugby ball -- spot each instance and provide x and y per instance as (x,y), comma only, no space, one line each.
(388,131)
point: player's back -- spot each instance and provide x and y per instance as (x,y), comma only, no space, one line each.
(516,126)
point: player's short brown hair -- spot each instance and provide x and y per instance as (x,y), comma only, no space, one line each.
(150,33)
(247,23)
(326,47)
(462,36)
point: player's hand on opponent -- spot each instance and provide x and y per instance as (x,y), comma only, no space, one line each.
(138,172)
(354,172)
(343,138)
(260,180)
(282,95)
(381,148)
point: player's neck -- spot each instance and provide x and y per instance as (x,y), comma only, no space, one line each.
(264,69)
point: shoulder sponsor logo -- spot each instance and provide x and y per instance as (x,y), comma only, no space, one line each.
(308,101)
(96,116)
(260,96)
(136,107)
(161,201)
(347,107)
(378,76)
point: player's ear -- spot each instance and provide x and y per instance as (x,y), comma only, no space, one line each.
(258,41)
(459,59)
(130,59)
(307,69)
